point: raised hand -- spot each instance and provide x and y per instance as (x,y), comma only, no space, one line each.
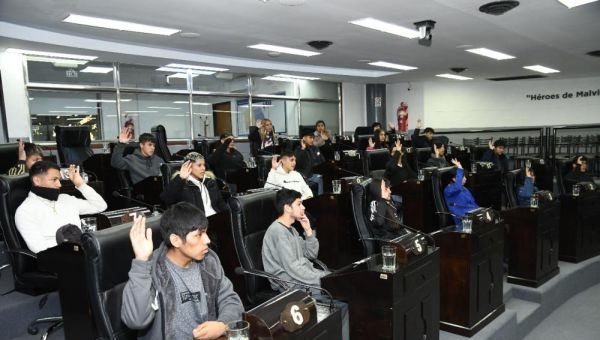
(22,154)
(274,162)
(186,170)
(371,144)
(397,146)
(491,144)
(302,144)
(141,239)
(125,134)
(456,163)
(579,160)
(75,176)
(391,125)
(436,151)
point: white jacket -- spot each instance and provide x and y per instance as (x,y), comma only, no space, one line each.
(293,180)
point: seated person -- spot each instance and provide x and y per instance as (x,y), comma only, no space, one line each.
(29,154)
(226,157)
(527,188)
(322,135)
(496,155)
(422,141)
(383,215)
(307,157)
(178,291)
(397,169)
(263,138)
(283,175)
(379,141)
(438,157)
(458,198)
(143,163)
(45,209)
(191,184)
(579,173)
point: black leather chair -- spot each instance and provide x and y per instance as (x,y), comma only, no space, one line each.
(439,179)
(360,207)
(8,156)
(108,255)
(263,165)
(375,160)
(167,170)
(73,144)
(562,167)
(477,152)
(162,148)
(421,157)
(28,278)
(251,216)
(510,187)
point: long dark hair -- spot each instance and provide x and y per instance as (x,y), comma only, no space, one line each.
(379,144)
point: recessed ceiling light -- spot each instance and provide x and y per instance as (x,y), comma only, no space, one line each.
(575,3)
(181,75)
(97,69)
(184,71)
(452,76)
(490,53)
(197,67)
(386,27)
(119,25)
(295,77)
(273,78)
(392,65)
(51,54)
(541,69)
(282,49)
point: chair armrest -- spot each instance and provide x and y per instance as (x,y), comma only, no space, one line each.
(23,252)
(320,264)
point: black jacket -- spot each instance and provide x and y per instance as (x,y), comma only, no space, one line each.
(500,162)
(397,174)
(385,223)
(308,158)
(179,190)
(420,141)
(222,161)
(437,162)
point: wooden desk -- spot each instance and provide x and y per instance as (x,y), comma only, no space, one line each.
(418,208)
(579,226)
(533,243)
(471,278)
(403,305)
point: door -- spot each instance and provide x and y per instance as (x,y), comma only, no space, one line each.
(222,118)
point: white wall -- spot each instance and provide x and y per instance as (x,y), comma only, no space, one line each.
(452,104)
(15,96)
(354,106)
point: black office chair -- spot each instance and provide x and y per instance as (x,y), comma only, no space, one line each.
(73,144)
(439,179)
(561,169)
(162,147)
(360,212)
(252,214)
(421,157)
(28,278)
(8,156)
(510,187)
(375,160)
(108,255)
(167,170)
(125,185)
(263,165)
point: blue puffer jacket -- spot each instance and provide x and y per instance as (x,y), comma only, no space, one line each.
(458,198)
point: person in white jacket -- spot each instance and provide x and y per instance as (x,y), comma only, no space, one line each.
(283,175)
(45,209)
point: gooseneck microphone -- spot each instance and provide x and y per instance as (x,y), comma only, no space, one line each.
(416,231)
(147,205)
(263,274)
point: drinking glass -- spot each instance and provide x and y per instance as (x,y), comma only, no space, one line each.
(576,190)
(388,254)
(88,224)
(238,330)
(474,167)
(533,202)
(421,175)
(467,222)
(337,186)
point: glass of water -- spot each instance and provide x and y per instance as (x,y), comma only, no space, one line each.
(337,186)
(88,224)
(336,156)
(576,190)
(238,330)
(388,254)
(533,202)
(474,167)
(467,222)
(421,175)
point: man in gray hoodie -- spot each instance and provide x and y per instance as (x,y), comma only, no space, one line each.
(143,163)
(178,291)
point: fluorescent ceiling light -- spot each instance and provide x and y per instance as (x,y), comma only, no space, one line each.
(97,69)
(282,49)
(295,77)
(118,25)
(105,100)
(575,3)
(541,69)
(186,102)
(61,61)
(164,107)
(386,27)
(51,54)
(490,53)
(392,65)
(452,76)
(273,78)
(181,75)
(196,67)
(184,71)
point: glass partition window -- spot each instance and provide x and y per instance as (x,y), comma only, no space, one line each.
(327,112)
(65,72)
(50,108)
(148,77)
(222,82)
(214,115)
(282,113)
(265,87)
(318,89)
(148,110)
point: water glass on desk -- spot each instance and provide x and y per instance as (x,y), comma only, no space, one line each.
(337,186)
(467,222)
(575,190)
(238,330)
(88,224)
(421,175)
(533,202)
(388,254)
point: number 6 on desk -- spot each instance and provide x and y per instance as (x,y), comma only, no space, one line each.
(294,316)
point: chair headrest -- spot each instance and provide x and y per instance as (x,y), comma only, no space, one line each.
(72,136)
(257,210)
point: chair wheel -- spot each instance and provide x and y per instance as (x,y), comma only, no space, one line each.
(32,330)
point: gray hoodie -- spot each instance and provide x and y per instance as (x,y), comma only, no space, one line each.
(149,296)
(139,166)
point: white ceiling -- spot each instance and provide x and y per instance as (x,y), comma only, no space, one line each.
(537,32)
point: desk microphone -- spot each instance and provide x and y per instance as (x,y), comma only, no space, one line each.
(416,231)
(154,208)
(348,171)
(263,274)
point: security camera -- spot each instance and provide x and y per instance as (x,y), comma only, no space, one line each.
(425,28)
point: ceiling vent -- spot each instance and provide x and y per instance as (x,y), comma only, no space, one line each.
(594,53)
(498,7)
(533,76)
(458,69)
